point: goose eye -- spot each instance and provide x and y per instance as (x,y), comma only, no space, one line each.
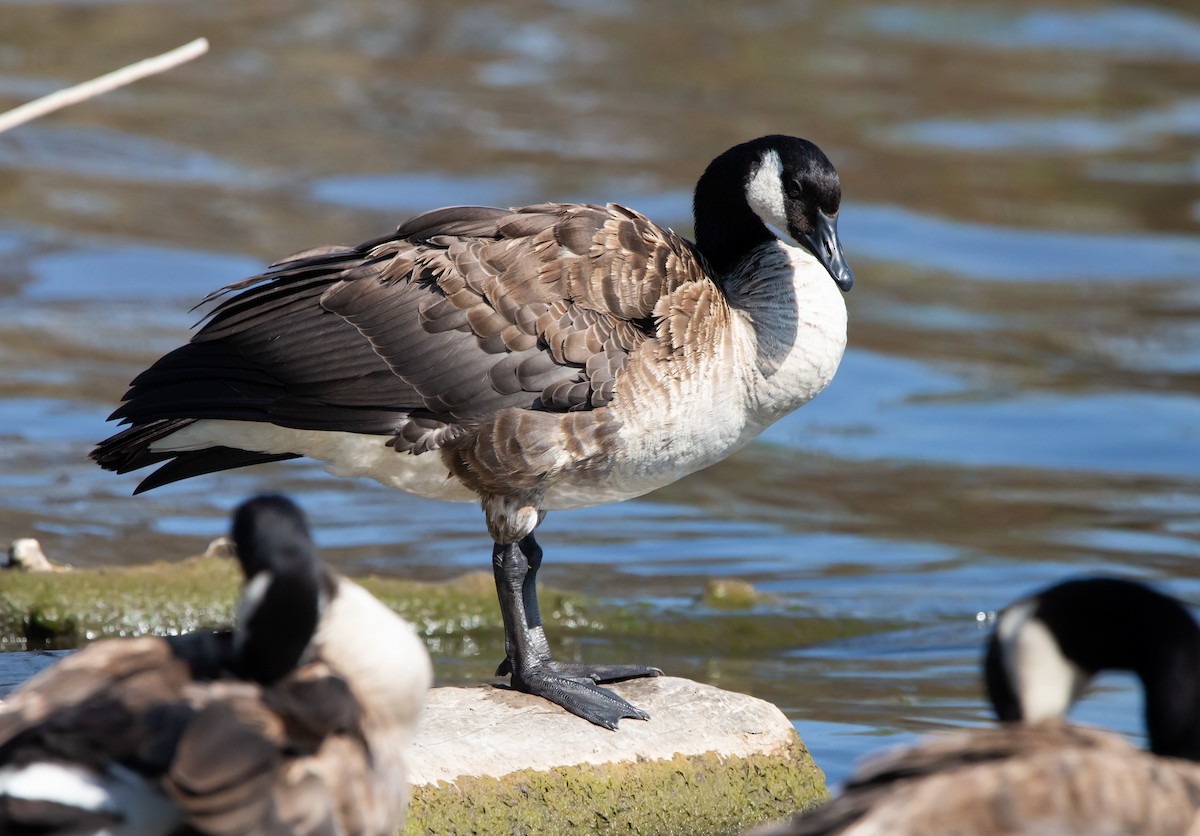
(793,189)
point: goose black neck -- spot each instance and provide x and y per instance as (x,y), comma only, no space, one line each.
(285,586)
(278,630)
(1110,624)
(727,229)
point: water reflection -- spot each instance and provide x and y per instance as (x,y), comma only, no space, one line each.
(1020,398)
(113,155)
(1127,30)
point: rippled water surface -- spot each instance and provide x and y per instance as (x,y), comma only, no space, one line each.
(1020,397)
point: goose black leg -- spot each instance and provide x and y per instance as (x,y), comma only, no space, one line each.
(568,684)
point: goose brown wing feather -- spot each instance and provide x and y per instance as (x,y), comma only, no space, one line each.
(94,708)
(464,312)
(233,756)
(254,361)
(1036,778)
(117,703)
(226,762)
(536,301)
(288,759)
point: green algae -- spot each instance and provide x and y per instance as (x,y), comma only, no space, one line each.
(685,795)
(459,618)
(66,609)
(60,610)
(731,594)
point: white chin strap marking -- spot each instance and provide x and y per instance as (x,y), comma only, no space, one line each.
(764,192)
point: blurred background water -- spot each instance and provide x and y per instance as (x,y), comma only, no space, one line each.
(1019,402)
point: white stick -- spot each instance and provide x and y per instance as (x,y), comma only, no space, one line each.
(109,81)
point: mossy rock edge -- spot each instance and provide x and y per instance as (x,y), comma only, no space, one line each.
(686,795)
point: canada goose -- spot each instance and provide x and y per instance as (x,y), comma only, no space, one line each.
(296,721)
(1036,774)
(552,356)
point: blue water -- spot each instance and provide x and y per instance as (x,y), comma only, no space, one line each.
(1021,397)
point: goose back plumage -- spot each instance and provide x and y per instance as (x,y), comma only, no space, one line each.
(458,330)
(214,749)
(1036,778)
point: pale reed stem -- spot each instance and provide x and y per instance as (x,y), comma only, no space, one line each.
(103,84)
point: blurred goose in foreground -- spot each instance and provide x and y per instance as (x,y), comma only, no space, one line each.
(1035,774)
(294,722)
(551,356)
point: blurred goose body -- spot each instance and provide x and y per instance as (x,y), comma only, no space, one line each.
(297,721)
(551,356)
(1035,774)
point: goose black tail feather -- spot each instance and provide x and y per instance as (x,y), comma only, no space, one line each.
(212,460)
(129,450)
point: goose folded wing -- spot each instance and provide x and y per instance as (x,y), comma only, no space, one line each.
(270,760)
(485,309)
(226,762)
(271,353)
(116,704)
(462,313)
(109,703)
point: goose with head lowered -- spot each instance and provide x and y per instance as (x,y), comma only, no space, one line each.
(551,356)
(296,721)
(1036,774)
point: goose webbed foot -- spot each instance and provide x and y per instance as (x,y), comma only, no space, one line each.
(584,671)
(577,695)
(571,685)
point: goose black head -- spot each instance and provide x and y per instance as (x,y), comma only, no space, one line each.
(1047,647)
(774,185)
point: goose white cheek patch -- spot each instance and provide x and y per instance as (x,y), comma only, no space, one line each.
(764,192)
(1045,681)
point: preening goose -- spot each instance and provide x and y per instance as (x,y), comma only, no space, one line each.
(294,722)
(552,356)
(1035,774)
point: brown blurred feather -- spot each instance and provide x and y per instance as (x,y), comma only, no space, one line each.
(1045,778)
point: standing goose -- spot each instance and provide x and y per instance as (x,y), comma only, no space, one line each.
(551,356)
(1036,774)
(294,722)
